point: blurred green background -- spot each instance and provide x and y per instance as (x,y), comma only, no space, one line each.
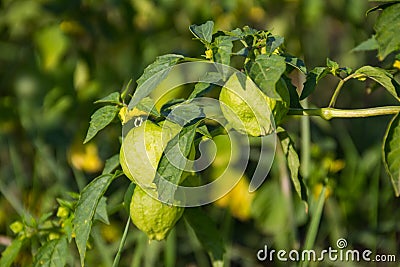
(58,57)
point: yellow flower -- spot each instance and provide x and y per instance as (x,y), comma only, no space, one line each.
(238,200)
(85,157)
(396,64)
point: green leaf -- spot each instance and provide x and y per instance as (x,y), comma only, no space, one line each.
(128,196)
(294,96)
(11,252)
(100,119)
(203,32)
(173,162)
(387,30)
(152,76)
(85,211)
(391,152)
(184,113)
(147,105)
(203,130)
(293,163)
(101,211)
(312,80)
(113,98)
(207,233)
(296,62)
(222,50)
(207,82)
(381,76)
(265,71)
(367,45)
(111,164)
(273,42)
(333,66)
(52,254)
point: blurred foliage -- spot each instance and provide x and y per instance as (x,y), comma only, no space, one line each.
(58,57)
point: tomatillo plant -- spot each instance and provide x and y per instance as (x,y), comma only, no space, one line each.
(148,156)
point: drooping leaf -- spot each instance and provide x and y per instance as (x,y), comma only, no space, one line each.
(294,96)
(207,233)
(203,32)
(11,252)
(152,76)
(113,98)
(381,76)
(391,152)
(52,254)
(296,62)
(312,80)
(111,164)
(173,162)
(265,71)
(100,119)
(367,45)
(293,163)
(387,30)
(86,209)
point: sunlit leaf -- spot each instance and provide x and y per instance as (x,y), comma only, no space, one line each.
(100,119)
(207,233)
(86,209)
(387,30)
(153,75)
(113,98)
(381,76)
(391,152)
(203,32)
(367,45)
(52,254)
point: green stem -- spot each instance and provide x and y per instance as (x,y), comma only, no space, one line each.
(337,90)
(329,113)
(305,144)
(121,245)
(314,225)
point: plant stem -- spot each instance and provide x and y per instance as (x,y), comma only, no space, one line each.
(337,90)
(121,245)
(329,113)
(305,157)
(314,225)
